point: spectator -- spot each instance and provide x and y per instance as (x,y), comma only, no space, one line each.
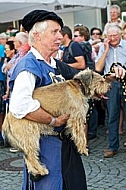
(13,57)
(122,110)
(96,38)
(124,32)
(21,46)
(96,41)
(112,51)
(75,58)
(3,40)
(9,29)
(10,53)
(114,18)
(81,34)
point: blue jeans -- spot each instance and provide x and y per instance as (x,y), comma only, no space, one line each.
(113,108)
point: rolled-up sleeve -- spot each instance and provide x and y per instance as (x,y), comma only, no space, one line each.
(21,101)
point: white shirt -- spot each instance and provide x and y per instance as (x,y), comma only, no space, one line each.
(114,55)
(21,101)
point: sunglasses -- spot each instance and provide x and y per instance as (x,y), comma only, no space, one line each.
(96,33)
(78,24)
(75,36)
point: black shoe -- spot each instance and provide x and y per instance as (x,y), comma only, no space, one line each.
(36,178)
(90,137)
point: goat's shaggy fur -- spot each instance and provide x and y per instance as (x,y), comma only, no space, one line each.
(69,97)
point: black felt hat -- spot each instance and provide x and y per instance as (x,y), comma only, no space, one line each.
(37,16)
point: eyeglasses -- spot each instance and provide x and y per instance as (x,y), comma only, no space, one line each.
(75,36)
(96,33)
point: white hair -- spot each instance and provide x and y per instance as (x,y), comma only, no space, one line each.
(115,7)
(22,37)
(39,27)
(114,27)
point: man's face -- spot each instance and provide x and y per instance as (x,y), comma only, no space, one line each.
(114,36)
(114,14)
(17,43)
(51,37)
(77,37)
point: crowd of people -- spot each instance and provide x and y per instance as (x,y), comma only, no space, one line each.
(95,41)
(48,46)
(14,45)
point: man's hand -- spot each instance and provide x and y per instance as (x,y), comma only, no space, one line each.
(61,120)
(119,73)
(106,44)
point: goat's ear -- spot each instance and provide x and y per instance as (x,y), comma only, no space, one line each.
(85,77)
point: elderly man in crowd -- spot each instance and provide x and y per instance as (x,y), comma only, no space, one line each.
(113,51)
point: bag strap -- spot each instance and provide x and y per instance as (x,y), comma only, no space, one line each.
(70,49)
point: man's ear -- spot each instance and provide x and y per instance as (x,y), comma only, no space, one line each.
(37,36)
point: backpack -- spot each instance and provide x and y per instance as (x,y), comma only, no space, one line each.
(87,51)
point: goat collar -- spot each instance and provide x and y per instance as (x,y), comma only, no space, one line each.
(80,85)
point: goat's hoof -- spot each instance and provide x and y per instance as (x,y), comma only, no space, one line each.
(36,178)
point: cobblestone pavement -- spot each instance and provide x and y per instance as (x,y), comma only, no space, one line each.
(105,173)
(102,173)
